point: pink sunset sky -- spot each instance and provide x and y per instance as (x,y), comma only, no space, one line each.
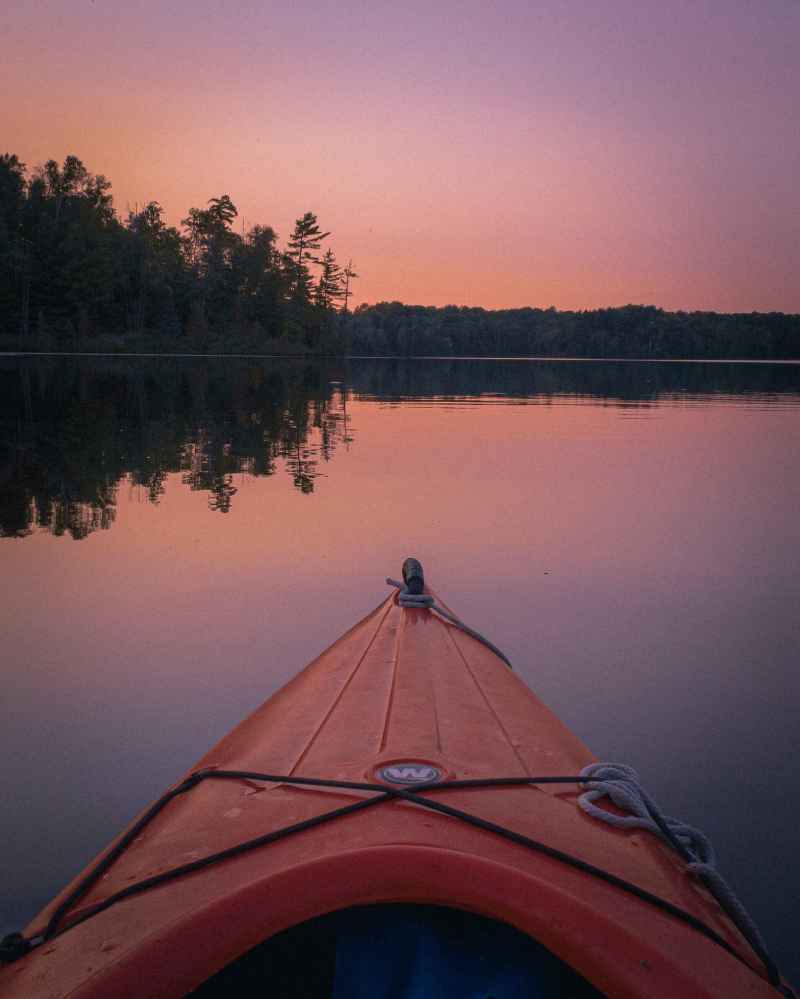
(561,152)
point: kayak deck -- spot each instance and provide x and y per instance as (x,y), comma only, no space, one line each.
(403,690)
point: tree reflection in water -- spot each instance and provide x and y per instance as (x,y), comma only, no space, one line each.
(72,429)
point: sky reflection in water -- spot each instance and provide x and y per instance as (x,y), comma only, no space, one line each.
(627,533)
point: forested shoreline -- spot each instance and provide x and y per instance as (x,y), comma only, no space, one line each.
(74,276)
(632,331)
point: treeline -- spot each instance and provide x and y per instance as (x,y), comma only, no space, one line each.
(75,276)
(394,329)
(73,273)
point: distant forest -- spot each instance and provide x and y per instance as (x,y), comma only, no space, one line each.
(641,331)
(75,276)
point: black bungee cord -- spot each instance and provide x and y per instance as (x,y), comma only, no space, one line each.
(16,945)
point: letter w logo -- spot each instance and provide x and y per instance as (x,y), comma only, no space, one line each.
(410,773)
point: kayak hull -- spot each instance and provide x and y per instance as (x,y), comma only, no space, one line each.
(402,688)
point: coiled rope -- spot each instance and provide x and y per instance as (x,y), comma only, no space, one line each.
(621,784)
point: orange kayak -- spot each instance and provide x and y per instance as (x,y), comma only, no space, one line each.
(406,770)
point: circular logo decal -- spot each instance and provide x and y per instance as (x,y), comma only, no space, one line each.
(409,773)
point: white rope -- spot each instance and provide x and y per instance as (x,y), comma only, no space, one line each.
(621,784)
(425,601)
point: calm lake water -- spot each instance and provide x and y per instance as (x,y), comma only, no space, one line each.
(178,537)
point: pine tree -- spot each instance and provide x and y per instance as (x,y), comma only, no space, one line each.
(15,250)
(154,266)
(212,245)
(304,242)
(329,287)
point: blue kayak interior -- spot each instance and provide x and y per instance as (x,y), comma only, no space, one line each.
(399,952)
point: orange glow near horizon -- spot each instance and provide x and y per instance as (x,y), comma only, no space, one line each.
(468,154)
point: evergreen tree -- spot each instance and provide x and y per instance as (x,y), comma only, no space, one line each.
(15,250)
(69,218)
(259,280)
(155,270)
(211,247)
(304,243)
(209,233)
(329,288)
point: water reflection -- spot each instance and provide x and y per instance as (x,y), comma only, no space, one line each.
(521,379)
(627,533)
(73,428)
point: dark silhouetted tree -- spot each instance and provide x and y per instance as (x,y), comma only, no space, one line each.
(304,244)
(329,290)
(349,276)
(15,249)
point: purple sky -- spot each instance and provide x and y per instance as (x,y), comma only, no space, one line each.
(574,154)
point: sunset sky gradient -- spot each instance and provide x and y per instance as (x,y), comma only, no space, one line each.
(561,152)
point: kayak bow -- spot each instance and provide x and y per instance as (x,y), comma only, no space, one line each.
(406,765)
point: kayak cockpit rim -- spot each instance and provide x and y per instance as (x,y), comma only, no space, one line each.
(199,944)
